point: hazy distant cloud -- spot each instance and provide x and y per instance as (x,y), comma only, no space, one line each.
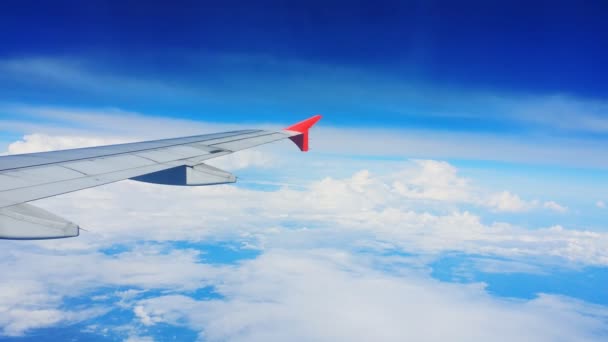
(80,76)
(555,206)
(600,204)
(106,122)
(134,338)
(507,202)
(326,84)
(411,143)
(564,112)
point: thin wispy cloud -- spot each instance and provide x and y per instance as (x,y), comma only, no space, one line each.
(312,87)
(392,141)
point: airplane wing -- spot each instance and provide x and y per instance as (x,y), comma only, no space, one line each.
(179,161)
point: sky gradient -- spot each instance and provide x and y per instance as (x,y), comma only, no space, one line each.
(455,188)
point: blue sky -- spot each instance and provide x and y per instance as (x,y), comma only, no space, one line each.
(459,164)
(426,54)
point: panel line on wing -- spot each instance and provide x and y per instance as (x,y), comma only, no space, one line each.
(69,168)
(233,145)
(246,138)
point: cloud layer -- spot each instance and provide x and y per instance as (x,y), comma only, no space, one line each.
(330,295)
(340,258)
(407,142)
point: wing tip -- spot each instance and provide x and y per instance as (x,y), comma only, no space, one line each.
(302,127)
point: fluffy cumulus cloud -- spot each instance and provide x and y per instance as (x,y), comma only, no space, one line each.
(435,180)
(337,258)
(506,201)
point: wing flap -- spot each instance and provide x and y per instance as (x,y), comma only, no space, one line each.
(27,222)
(184,175)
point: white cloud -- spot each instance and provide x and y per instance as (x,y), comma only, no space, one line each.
(551,205)
(134,338)
(506,201)
(291,292)
(244,159)
(600,204)
(361,209)
(330,296)
(32,294)
(144,317)
(26,304)
(436,180)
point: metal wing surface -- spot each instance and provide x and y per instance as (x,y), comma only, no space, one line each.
(178,161)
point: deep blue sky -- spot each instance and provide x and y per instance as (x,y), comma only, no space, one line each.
(500,67)
(540,46)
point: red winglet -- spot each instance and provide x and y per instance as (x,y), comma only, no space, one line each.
(302,139)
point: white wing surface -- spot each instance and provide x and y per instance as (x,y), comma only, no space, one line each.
(178,161)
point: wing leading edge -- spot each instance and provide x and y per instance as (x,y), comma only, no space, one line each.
(179,161)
